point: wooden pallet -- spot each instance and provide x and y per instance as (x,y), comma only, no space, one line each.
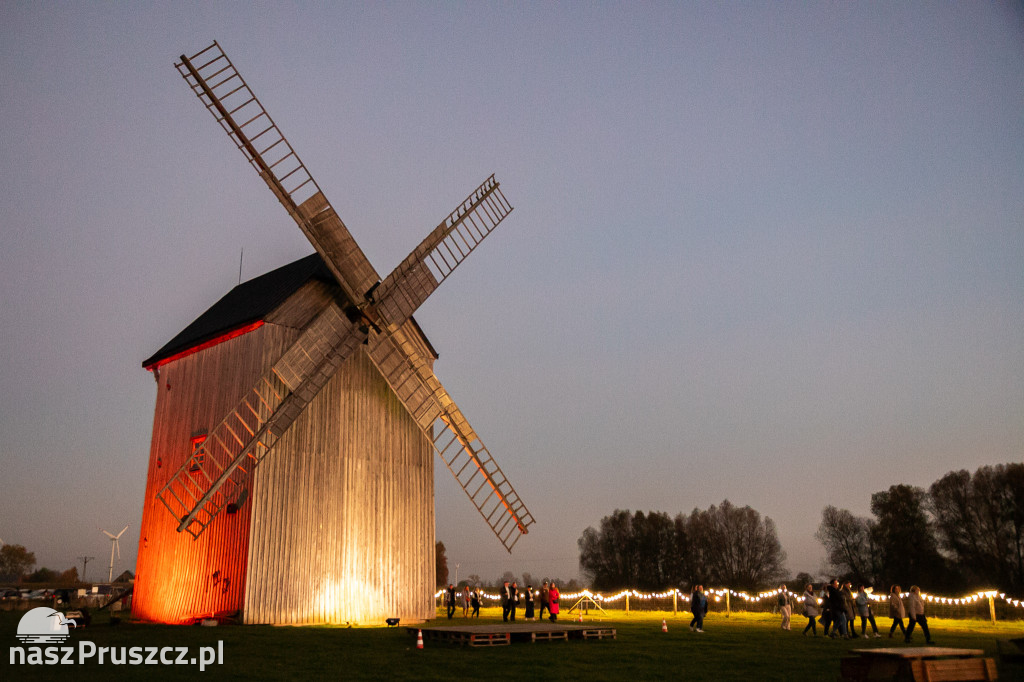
(549,636)
(489,639)
(599,633)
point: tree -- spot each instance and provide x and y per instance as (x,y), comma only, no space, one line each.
(473,580)
(978,521)
(42,575)
(801,581)
(605,554)
(507,577)
(735,547)
(905,538)
(850,545)
(641,551)
(440,564)
(68,577)
(15,562)
(725,545)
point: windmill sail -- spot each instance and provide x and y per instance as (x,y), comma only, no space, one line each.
(216,474)
(440,253)
(226,95)
(247,434)
(452,438)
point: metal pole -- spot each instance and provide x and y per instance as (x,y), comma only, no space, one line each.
(992,607)
(627,603)
(675,601)
(727,608)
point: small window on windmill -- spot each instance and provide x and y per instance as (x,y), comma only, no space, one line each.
(197,456)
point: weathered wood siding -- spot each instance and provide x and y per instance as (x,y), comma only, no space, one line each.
(178,578)
(339,522)
(343,513)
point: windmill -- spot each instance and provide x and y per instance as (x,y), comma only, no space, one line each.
(113,546)
(361,521)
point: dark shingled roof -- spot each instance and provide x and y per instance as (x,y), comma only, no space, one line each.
(247,303)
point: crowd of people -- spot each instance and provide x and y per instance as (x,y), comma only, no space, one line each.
(539,601)
(838,609)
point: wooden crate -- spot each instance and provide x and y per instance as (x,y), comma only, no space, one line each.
(951,669)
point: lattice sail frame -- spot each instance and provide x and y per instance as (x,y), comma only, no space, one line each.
(226,459)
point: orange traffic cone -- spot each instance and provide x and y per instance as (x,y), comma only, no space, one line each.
(419,639)
(664,625)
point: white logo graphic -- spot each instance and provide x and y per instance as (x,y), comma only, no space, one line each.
(44,626)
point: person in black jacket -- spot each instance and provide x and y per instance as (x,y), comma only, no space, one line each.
(699,608)
(474,601)
(514,602)
(506,601)
(449,600)
(827,621)
(837,605)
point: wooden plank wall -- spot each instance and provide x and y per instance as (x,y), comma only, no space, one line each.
(343,515)
(339,523)
(178,578)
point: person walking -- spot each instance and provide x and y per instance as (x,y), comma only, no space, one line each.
(837,606)
(545,600)
(896,611)
(850,608)
(465,601)
(784,607)
(474,601)
(826,611)
(915,614)
(863,602)
(553,605)
(528,604)
(698,607)
(810,610)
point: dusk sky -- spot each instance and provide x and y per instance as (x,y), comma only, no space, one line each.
(764,252)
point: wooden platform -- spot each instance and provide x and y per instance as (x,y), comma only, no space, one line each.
(502,634)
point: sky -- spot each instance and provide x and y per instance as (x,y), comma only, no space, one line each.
(765,252)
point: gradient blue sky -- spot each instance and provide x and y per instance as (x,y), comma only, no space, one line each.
(769,252)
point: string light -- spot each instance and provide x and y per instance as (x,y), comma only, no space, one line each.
(718,593)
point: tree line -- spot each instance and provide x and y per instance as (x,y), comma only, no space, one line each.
(722,545)
(964,532)
(16,564)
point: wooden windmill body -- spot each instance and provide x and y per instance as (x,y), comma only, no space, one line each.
(291,468)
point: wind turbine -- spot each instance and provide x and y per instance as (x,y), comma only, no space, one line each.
(114,546)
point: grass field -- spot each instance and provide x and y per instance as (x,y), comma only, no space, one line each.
(745,646)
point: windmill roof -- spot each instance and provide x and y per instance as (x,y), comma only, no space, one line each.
(248,303)
(245,304)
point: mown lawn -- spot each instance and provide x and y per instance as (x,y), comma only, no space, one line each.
(745,646)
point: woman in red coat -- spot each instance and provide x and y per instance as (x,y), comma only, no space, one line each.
(554,603)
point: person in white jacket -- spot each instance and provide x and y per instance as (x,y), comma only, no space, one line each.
(863,604)
(915,614)
(896,611)
(811,610)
